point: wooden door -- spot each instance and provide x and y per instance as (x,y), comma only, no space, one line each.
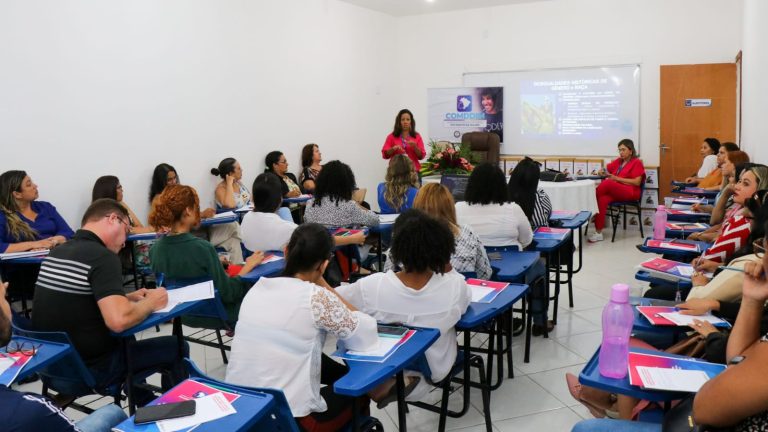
(684,127)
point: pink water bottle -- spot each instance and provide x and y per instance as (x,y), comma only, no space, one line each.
(660,223)
(617,326)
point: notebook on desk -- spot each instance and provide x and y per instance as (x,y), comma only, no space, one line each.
(661,372)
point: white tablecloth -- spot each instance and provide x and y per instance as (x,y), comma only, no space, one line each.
(572,195)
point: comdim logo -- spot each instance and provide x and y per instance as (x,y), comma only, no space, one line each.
(463,103)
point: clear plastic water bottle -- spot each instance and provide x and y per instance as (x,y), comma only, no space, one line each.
(617,326)
(660,223)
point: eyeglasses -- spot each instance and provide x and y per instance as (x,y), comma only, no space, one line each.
(758,247)
(120,220)
(26,348)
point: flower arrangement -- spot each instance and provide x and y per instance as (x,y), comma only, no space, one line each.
(448,158)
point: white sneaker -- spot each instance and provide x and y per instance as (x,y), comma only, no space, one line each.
(595,237)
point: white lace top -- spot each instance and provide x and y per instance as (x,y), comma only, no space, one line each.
(280,335)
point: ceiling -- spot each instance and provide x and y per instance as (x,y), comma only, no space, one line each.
(418,7)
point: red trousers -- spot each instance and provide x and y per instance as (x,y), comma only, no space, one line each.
(612,191)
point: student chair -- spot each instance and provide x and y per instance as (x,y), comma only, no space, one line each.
(281,418)
(69,376)
(619,208)
(461,366)
(213,315)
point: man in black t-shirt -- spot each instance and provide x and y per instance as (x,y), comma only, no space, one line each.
(32,412)
(80,291)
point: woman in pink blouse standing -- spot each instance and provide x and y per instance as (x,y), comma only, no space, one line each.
(404,140)
(622,183)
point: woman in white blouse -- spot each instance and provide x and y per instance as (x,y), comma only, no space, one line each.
(487,211)
(426,293)
(708,150)
(282,328)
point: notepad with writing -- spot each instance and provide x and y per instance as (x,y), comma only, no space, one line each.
(667,380)
(673,245)
(387,345)
(194,292)
(268,258)
(484,291)
(547,233)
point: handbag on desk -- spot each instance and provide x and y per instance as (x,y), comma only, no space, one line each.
(552,176)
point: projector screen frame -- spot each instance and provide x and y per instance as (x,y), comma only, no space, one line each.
(508,95)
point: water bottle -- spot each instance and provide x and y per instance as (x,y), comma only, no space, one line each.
(660,223)
(617,326)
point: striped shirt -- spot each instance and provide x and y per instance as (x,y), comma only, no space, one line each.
(72,279)
(542,210)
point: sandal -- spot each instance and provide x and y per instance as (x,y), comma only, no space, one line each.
(574,387)
(391,395)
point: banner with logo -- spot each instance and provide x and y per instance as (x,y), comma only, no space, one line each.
(455,111)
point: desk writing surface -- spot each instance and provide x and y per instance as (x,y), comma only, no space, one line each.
(47,353)
(251,406)
(590,376)
(160,318)
(514,264)
(364,376)
(271,269)
(577,221)
(479,313)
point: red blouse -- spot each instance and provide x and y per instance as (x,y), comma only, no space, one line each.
(410,151)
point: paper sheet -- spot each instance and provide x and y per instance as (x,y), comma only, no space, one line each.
(207,408)
(387,218)
(672,379)
(685,270)
(225,215)
(386,343)
(479,292)
(5,363)
(199,291)
(271,258)
(687,320)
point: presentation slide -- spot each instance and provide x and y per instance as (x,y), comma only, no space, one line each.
(578,112)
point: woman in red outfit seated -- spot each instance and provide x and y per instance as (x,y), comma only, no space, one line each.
(624,177)
(404,140)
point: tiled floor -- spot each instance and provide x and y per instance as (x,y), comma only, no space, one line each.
(537,399)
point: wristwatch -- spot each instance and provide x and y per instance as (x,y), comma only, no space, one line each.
(736,360)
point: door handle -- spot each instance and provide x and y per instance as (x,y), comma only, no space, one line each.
(663,147)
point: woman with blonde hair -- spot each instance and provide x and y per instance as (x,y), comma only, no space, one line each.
(436,200)
(400,185)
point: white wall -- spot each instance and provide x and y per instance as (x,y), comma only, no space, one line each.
(91,87)
(435,50)
(754,128)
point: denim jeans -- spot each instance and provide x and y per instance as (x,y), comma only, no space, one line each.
(610,425)
(103,419)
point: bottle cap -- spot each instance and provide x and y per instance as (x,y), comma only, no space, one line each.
(620,293)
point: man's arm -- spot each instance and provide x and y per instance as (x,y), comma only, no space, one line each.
(120,313)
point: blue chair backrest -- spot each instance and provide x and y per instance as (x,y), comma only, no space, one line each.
(208,309)
(68,375)
(469,275)
(284,420)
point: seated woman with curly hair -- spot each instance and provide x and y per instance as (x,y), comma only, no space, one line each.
(180,255)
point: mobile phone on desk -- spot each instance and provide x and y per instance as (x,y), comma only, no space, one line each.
(389,330)
(154,413)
